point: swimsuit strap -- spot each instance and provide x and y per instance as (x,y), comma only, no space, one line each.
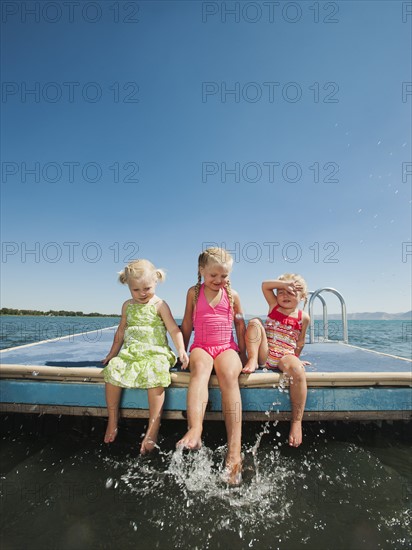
(283,315)
(299,317)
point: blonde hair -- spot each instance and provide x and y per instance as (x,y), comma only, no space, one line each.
(141,269)
(298,279)
(218,256)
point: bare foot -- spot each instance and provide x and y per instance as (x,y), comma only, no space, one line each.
(295,433)
(147,446)
(233,473)
(111,433)
(250,366)
(191,440)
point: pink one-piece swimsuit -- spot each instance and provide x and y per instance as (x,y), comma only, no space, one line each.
(213,325)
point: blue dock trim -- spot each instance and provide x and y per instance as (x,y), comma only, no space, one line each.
(92,395)
(381,401)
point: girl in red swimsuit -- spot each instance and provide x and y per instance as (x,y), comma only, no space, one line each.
(211,309)
(278,343)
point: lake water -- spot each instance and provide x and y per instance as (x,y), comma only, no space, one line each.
(20,330)
(348,486)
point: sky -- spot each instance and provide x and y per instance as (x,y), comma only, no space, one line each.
(280,131)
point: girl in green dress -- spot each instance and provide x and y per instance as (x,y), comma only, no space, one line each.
(140,356)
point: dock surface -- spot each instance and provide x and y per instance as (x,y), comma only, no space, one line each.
(64,376)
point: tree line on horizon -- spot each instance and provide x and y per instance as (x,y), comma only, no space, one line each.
(52,313)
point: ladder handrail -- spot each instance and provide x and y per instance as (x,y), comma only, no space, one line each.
(317,294)
(325,315)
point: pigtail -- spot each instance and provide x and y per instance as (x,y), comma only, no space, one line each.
(201,262)
(123,276)
(161,275)
(197,287)
(230,295)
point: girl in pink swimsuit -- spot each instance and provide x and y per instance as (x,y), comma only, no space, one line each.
(213,325)
(278,343)
(211,309)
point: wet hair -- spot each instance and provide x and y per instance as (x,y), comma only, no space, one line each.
(298,279)
(141,269)
(211,256)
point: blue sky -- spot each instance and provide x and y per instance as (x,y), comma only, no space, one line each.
(279,130)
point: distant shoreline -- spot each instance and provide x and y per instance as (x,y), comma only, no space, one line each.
(369,317)
(366,316)
(51,313)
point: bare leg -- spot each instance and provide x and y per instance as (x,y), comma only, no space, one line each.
(228,367)
(156,397)
(201,365)
(113,394)
(292,367)
(256,345)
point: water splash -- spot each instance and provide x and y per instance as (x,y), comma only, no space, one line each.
(307,492)
(283,383)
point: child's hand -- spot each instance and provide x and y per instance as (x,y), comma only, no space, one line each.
(107,359)
(293,287)
(184,359)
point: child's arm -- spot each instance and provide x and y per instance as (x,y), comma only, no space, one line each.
(301,340)
(118,337)
(269,286)
(187,323)
(174,331)
(240,326)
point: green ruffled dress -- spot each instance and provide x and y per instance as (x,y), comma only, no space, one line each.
(145,358)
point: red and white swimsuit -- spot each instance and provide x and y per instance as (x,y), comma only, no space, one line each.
(282,332)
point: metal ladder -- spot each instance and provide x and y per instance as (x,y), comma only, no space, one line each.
(317,294)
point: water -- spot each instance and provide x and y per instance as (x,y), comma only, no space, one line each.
(20,330)
(394,337)
(347,487)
